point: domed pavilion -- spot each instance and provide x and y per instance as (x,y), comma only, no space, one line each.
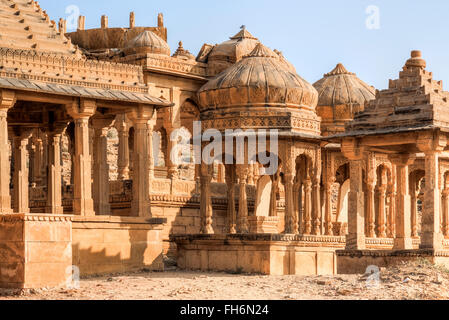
(261,92)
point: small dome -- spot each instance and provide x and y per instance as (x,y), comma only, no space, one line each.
(229,52)
(341,95)
(263,83)
(147,42)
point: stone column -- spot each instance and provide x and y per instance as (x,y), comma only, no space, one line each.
(83,204)
(172,123)
(273,197)
(297,207)
(172,168)
(307,207)
(316,212)
(381,214)
(140,118)
(7,101)
(151,125)
(230,181)
(431,234)
(37,159)
(328,226)
(355,239)
(101,167)
(242,226)
(392,196)
(446,212)
(414,213)
(21,172)
(123,147)
(371,181)
(54,176)
(289,206)
(414,193)
(403,239)
(206,210)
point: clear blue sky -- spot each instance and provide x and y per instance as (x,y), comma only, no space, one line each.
(313,35)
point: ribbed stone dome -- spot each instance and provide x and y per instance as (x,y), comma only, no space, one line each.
(341,95)
(259,79)
(147,42)
(260,92)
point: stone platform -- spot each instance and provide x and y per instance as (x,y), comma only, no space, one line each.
(35,250)
(106,244)
(357,261)
(267,254)
(44,250)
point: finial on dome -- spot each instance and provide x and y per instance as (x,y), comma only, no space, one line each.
(339,69)
(416,60)
(180,45)
(243,34)
(261,51)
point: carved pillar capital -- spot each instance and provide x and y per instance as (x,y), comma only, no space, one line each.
(7,100)
(83,109)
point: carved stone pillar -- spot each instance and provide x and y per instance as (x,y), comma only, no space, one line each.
(391,219)
(316,212)
(7,101)
(297,207)
(414,193)
(150,125)
(432,237)
(273,196)
(83,204)
(403,239)
(381,213)
(289,206)
(328,226)
(37,159)
(206,210)
(141,165)
(355,239)
(230,181)
(242,225)
(123,147)
(101,167)
(370,224)
(414,213)
(172,168)
(54,189)
(21,172)
(307,207)
(446,212)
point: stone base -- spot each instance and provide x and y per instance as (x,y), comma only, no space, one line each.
(263,225)
(105,244)
(35,250)
(357,261)
(259,254)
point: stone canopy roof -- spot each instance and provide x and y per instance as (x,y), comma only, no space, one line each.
(341,95)
(259,79)
(413,102)
(24,25)
(82,92)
